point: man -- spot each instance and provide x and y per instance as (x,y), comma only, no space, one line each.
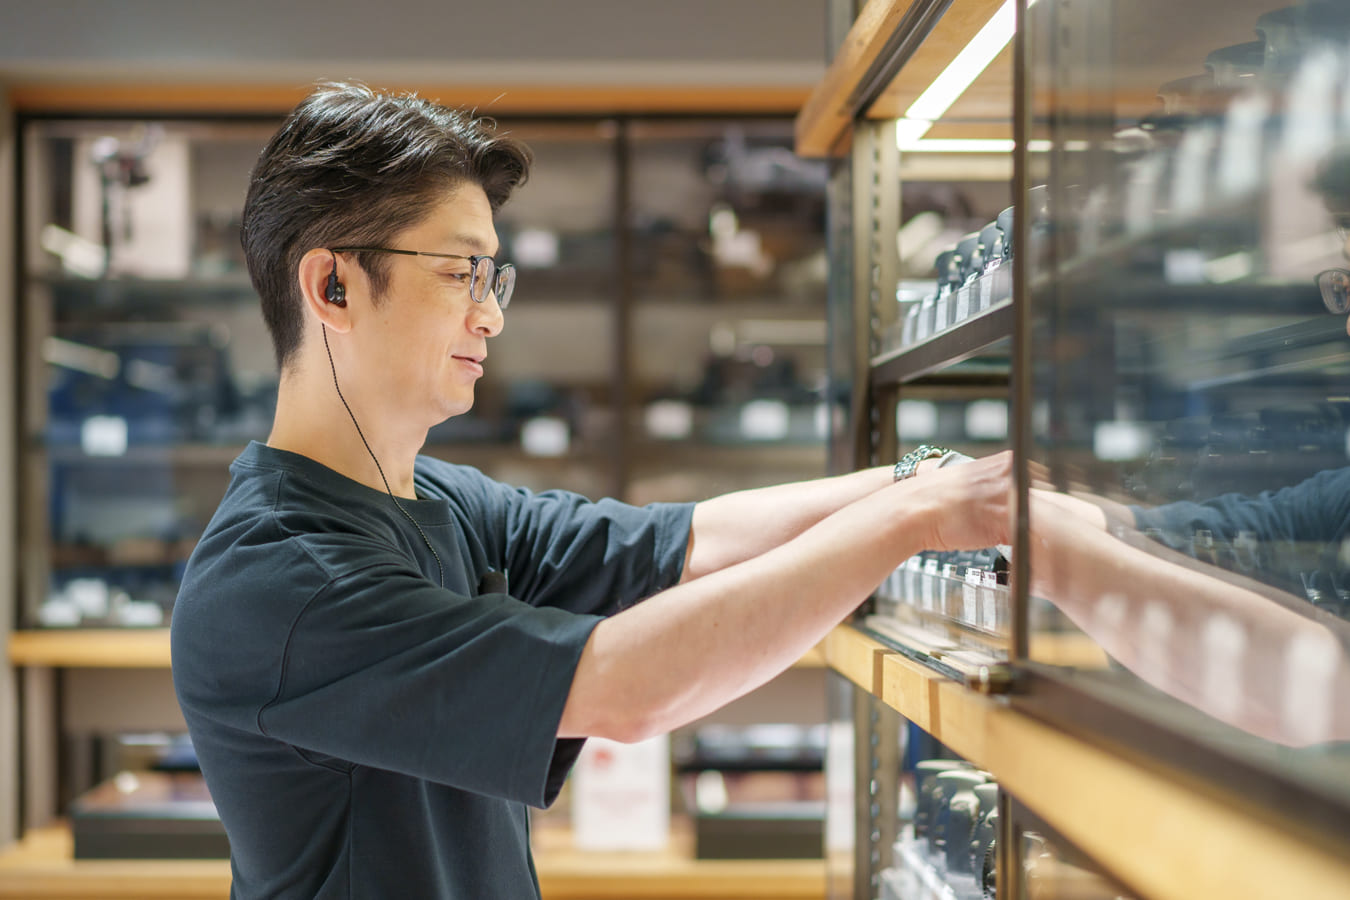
(382,658)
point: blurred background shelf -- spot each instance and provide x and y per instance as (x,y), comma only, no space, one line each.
(42,867)
(91,648)
(138,648)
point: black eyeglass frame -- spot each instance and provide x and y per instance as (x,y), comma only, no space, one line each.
(501,281)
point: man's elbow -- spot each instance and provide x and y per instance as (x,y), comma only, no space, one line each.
(614,720)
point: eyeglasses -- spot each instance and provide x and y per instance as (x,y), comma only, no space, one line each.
(1335,287)
(487,275)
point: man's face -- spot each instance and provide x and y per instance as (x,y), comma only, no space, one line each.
(423,346)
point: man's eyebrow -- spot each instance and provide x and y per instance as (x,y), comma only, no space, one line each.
(473,243)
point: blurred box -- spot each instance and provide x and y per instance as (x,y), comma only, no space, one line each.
(148,815)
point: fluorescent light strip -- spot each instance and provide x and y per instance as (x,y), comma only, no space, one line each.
(959,75)
(962,71)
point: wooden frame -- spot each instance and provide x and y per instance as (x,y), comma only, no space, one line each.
(170,99)
(1162,833)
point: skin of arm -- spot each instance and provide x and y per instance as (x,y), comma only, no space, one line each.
(1158,616)
(739,526)
(742,525)
(693,648)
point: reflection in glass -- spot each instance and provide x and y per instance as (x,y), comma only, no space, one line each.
(1192,395)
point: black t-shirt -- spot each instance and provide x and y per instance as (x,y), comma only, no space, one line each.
(1294,538)
(364,732)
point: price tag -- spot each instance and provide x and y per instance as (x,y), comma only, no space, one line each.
(971,595)
(962,305)
(986,290)
(989,593)
(930,586)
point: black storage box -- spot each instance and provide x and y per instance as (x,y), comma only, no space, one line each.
(148,815)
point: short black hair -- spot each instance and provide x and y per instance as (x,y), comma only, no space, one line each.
(353,166)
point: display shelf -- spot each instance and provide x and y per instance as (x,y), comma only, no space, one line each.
(947,348)
(1155,293)
(1158,829)
(894,50)
(980,112)
(764,455)
(233,99)
(42,867)
(121,648)
(823,126)
(140,648)
(181,455)
(121,287)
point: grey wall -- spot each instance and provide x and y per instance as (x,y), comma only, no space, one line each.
(532,41)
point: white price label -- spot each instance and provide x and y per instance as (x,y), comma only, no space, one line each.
(962,305)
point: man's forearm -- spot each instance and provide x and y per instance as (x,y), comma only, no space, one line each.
(1186,629)
(689,650)
(735,527)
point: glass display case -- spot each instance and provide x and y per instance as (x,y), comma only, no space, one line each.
(1156,312)
(1187,192)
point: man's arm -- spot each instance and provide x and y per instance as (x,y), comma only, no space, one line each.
(1209,638)
(691,649)
(741,525)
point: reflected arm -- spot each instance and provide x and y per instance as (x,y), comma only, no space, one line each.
(1215,640)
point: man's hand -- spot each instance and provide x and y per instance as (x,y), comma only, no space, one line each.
(967,506)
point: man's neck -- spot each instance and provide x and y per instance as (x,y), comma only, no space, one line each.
(312,421)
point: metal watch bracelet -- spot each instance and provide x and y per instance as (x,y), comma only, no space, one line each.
(909,463)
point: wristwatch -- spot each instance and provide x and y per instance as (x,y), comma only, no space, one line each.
(909,463)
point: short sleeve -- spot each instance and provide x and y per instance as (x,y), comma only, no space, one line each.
(563,550)
(383,669)
(1315,510)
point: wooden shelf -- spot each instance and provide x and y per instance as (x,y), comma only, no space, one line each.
(948,347)
(122,648)
(985,109)
(42,867)
(133,648)
(893,52)
(1169,836)
(823,125)
(492,100)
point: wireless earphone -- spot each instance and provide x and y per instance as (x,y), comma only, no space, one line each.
(334,292)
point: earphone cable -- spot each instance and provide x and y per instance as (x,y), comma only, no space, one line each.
(439,568)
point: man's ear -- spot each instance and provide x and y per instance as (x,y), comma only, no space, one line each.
(317,267)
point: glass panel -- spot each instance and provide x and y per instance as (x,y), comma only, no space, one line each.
(729,323)
(1050,867)
(944,849)
(1191,408)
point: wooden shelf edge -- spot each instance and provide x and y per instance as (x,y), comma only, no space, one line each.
(1163,833)
(822,127)
(119,648)
(149,649)
(495,100)
(41,867)
(952,345)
